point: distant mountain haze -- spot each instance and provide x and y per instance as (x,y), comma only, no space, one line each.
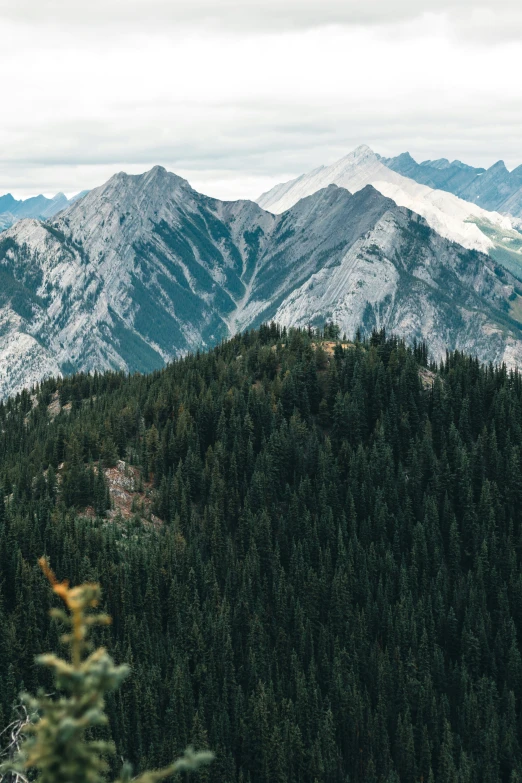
(495,188)
(40,207)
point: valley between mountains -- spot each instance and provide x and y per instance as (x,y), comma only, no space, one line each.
(144,269)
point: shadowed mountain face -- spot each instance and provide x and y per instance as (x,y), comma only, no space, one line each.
(144,269)
(495,188)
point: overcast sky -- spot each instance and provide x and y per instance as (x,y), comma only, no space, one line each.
(237,95)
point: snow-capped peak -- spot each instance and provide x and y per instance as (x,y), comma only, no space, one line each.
(447,214)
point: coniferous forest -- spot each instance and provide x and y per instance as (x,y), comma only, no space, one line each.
(320,577)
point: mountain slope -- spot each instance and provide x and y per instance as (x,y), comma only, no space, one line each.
(375,264)
(403,276)
(493,189)
(144,269)
(139,270)
(316,232)
(450,216)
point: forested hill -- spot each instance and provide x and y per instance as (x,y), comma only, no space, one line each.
(312,557)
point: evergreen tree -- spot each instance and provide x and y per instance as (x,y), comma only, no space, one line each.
(58,745)
(312,549)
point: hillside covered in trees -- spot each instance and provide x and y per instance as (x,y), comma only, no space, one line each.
(312,559)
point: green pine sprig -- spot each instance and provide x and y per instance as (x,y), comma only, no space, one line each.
(57,745)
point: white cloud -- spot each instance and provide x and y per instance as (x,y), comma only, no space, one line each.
(236,96)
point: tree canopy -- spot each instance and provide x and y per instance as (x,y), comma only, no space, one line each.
(326,585)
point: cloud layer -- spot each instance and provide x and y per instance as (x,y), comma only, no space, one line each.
(259,14)
(238,95)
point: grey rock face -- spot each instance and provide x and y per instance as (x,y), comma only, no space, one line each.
(494,189)
(138,271)
(144,269)
(405,277)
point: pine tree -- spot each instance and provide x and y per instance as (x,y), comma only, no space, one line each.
(59,747)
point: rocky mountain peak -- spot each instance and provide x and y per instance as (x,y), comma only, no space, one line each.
(158,176)
(498,168)
(405,156)
(361,153)
(112,214)
(451,217)
(6,202)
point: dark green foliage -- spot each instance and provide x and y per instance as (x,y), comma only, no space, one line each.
(196,230)
(6,245)
(58,742)
(59,235)
(335,593)
(131,346)
(20,294)
(253,243)
(152,320)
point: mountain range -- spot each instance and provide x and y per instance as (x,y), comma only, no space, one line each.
(145,268)
(12,210)
(454,218)
(495,188)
